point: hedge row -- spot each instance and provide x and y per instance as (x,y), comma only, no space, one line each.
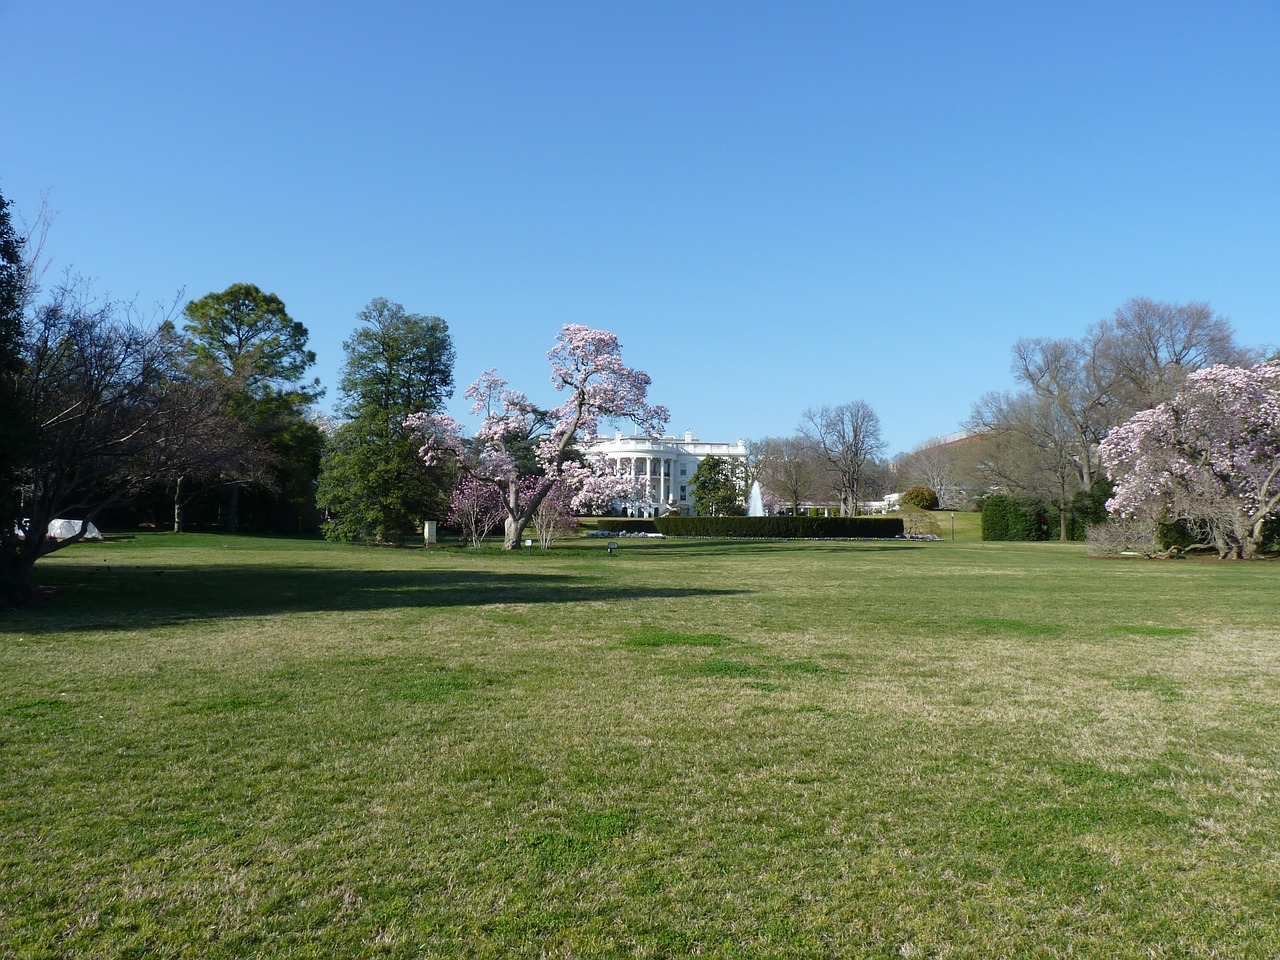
(1027,518)
(1014,518)
(626,525)
(785,528)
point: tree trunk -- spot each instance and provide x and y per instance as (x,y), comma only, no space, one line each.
(233,510)
(179,508)
(1062,514)
(513,528)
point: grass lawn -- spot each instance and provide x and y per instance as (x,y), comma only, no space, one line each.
(229,747)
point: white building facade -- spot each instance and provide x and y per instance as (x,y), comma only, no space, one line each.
(664,468)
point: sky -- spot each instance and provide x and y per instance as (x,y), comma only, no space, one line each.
(775,206)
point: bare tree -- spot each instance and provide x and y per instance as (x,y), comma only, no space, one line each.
(1065,375)
(1028,446)
(933,465)
(789,468)
(1148,347)
(879,477)
(111,416)
(1082,389)
(848,437)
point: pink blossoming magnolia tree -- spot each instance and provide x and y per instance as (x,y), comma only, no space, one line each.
(555,515)
(475,508)
(1210,457)
(587,366)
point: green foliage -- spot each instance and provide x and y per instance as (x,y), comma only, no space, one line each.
(1086,508)
(1271,534)
(1090,506)
(288,506)
(373,485)
(922,497)
(1177,535)
(244,340)
(245,334)
(717,489)
(13,418)
(809,528)
(397,363)
(1015,518)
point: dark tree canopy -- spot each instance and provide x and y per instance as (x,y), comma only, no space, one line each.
(373,485)
(113,414)
(243,341)
(247,334)
(397,363)
(13,418)
(717,488)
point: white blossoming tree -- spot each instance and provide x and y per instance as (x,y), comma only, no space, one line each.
(1209,457)
(587,366)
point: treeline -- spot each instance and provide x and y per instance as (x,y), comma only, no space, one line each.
(202,414)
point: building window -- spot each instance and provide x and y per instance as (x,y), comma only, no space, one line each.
(682,494)
(684,469)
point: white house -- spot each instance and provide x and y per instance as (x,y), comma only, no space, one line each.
(664,466)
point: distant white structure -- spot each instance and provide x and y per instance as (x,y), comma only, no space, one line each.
(891,502)
(664,466)
(950,439)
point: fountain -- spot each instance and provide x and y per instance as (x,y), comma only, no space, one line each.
(755,502)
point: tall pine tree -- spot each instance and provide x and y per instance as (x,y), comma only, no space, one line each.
(373,485)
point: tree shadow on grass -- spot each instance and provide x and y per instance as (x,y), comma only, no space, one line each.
(87,598)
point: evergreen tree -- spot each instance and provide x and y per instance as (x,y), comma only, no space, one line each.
(717,490)
(13,418)
(244,340)
(373,484)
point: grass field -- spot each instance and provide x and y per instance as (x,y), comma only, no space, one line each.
(230,747)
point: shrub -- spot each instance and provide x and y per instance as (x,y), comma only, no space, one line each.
(1014,518)
(1086,509)
(918,522)
(1115,537)
(922,497)
(1271,534)
(1176,536)
(627,525)
(799,528)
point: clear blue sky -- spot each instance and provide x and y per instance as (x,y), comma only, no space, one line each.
(774,205)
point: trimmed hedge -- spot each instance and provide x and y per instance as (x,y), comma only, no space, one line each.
(1027,518)
(1014,518)
(782,528)
(626,525)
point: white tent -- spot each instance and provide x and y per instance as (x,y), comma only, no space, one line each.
(62,529)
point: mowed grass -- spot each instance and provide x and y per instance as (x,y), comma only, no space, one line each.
(228,747)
